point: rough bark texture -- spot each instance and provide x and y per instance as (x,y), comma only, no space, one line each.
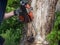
(36,31)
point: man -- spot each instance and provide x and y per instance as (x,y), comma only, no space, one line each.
(4,15)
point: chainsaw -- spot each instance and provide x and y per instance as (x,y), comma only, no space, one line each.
(25,14)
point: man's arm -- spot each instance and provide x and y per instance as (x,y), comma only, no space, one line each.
(10,14)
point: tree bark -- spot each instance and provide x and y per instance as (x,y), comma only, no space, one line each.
(36,31)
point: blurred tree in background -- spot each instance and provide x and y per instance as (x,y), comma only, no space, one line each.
(11,30)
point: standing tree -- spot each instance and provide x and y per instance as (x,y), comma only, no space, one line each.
(35,32)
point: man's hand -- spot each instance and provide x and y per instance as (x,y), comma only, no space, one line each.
(17,12)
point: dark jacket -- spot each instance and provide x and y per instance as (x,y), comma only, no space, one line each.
(1,40)
(3,4)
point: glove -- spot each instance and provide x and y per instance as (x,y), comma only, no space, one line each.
(17,11)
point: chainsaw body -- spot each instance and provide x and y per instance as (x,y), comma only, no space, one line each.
(26,14)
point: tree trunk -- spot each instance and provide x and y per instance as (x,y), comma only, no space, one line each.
(35,32)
